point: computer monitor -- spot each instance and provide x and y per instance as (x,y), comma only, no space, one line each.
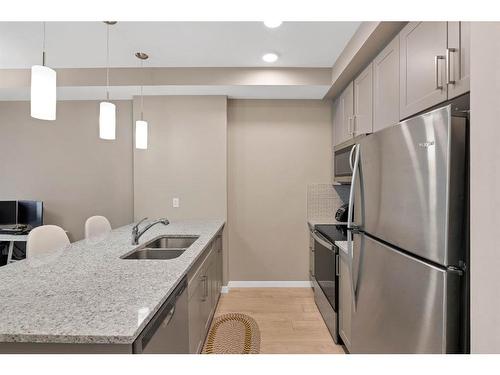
(30,213)
(8,212)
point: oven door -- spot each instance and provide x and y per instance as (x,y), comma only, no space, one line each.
(325,267)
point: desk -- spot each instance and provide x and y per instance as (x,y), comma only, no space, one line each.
(11,238)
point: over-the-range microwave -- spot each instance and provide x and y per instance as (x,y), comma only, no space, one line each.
(342,160)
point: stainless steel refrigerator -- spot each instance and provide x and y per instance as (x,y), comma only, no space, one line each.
(407,249)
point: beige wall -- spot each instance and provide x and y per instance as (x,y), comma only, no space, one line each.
(275,149)
(186,158)
(254,158)
(65,164)
(485,187)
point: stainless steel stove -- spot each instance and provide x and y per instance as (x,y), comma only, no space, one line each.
(326,273)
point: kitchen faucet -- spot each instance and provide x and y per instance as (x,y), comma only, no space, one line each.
(136,234)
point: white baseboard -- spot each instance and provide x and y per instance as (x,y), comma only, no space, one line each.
(266,284)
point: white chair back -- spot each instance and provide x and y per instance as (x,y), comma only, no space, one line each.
(96,226)
(45,240)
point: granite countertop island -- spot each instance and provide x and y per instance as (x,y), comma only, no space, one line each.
(86,294)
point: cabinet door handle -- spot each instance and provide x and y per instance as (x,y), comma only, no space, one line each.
(350,126)
(449,81)
(436,66)
(205,287)
(337,265)
(353,125)
(169,317)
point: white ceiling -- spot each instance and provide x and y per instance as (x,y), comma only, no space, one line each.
(174,44)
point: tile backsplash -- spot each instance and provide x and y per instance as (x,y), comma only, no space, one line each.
(323,200)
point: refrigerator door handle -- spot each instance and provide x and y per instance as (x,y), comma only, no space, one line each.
(350,208)
(350,225)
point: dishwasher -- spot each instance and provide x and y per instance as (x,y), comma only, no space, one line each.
(167,332)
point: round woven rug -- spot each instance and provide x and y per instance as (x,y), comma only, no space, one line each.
(233,333)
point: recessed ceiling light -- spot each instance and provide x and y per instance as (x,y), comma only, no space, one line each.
(270,57)
(273,24)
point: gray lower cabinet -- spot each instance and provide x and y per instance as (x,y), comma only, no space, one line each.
(422,66)
(219,269)
(386,86)
(198,312)
(213,293)
(345,300)
(204,285)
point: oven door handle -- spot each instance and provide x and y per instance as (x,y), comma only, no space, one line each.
(321,240)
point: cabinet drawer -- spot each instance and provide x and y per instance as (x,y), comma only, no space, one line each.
(199,271)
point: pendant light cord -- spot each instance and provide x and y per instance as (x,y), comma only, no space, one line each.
(43,44)
(107,61)
(142,98)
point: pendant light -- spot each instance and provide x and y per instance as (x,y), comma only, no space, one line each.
(43,89)
(107,110)
(141,126)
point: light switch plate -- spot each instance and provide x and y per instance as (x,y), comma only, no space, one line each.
(175,202)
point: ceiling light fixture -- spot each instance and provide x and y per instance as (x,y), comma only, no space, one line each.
(272,24)
(107,110)
(43,89)
(270,57)
(141,126)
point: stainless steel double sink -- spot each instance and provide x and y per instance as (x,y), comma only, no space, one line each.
(163,247)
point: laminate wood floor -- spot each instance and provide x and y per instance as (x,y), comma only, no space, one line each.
(288,319)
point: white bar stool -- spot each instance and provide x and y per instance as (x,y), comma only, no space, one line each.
(96,226)
(45,240)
